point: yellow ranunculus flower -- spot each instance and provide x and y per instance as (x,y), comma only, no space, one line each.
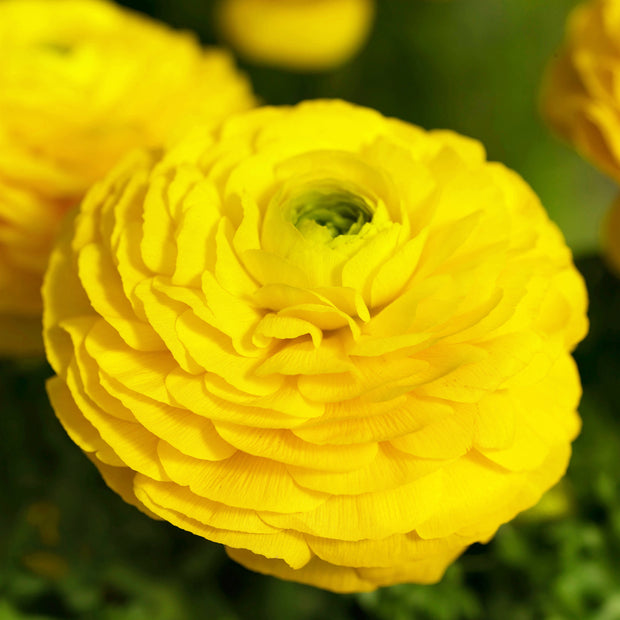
(333,342)
(581,99)
(303,35)
(82,82)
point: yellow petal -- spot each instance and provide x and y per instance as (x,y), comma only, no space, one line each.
(449,437)
(467,485)
(388,469)
(241,481)
(370,515)
(283,409)
(303,358)
(315,572)
(495,421)
(229,270)
(215,354)
(196,230)
(158,245)
(182,500)
(290,547)
(142,372)
(134,445)
(396,270)
(396,550)
(427,570)
(359,421)
(101,283)
(161,313)
(284,447)
(191,434)
(284,328)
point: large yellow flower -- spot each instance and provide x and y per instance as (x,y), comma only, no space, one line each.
(303,35)
(82,82)
(581,99)
(331,341)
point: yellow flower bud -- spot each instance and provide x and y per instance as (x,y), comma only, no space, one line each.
(331,341)
(81,83)
(302,35)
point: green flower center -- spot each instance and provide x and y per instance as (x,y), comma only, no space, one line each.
(55,47)
(339,213)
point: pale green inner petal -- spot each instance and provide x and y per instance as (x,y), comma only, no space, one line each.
(314,226)
(339,213)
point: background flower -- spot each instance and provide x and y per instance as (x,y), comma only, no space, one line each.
(331,341)
(580,99)
(82,82)
(611,236)
(303,35)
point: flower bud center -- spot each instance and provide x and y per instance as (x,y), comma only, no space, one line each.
(339,213)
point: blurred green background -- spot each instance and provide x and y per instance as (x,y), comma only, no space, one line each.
(71,549)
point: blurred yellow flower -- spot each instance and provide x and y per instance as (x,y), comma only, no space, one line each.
(302,35)
(333,342)
(82,82)
(581,100)
(611,236)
